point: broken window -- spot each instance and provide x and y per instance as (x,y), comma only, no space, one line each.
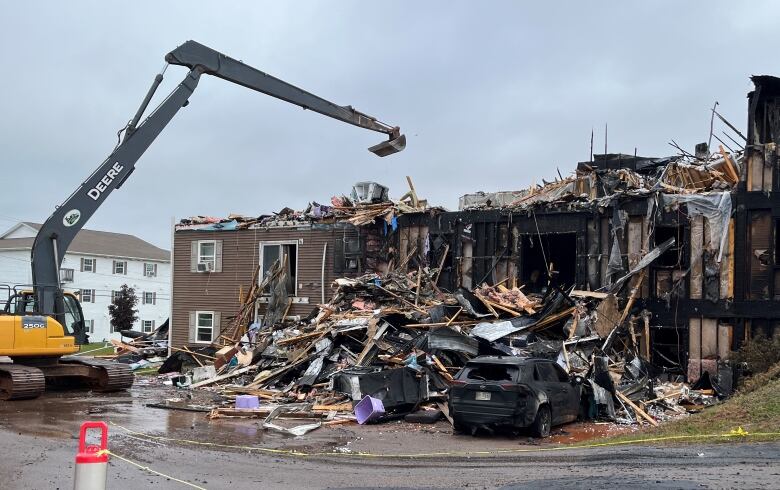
(491,372)
(675,257)
(348,254)
(270,252)
(549,257)
(669,270)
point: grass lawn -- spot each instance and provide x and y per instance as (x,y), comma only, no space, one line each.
(755,408)
(97,349)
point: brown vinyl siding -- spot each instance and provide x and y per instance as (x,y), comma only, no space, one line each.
(219,291)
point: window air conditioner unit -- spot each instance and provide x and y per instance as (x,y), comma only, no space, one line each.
(205,266)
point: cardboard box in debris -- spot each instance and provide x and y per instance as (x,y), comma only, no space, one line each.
(399,337)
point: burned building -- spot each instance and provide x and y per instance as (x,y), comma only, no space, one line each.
(690,239)
(711,289)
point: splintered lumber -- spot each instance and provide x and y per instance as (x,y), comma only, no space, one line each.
(636,409)
(341,407)
(441,368)
(463,323)
(549,320)
(193,353)
(449,322)
(299,338)
(122,345)
(579,293)
(235,373)
(407,303)
(503,308)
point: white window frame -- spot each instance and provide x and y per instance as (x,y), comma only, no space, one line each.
(208,258)
(149,269)
(91,295)
(124,267)
(89,326)
(151,326)
(153,298)
(66,274)
(91,261)
(297,244)
(198,327)
(114,294)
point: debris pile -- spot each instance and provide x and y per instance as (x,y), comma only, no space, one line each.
(608,177)
(389,345)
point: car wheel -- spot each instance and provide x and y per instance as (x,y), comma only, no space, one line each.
(542,422)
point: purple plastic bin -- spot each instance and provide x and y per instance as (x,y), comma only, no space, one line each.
(369,409)
(247,401)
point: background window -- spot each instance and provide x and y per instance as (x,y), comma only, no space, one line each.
(120,267)
(204,328)
(150,298)
(147,326)
(66,275)
(150,270)
(89,326)
(87,295)
(88,265)
(114,294)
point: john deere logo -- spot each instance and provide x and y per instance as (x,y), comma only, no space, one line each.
(71,217)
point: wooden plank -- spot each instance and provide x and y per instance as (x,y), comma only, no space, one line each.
(452,319)
(441,263)
(579,293)
(223,377)
(636,409)
(709,338)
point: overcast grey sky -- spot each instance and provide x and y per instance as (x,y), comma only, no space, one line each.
(492,96)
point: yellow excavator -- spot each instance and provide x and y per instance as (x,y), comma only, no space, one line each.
(41,325)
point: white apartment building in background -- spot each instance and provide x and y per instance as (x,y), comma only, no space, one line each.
(95,266)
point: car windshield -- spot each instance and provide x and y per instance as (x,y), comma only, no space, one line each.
(491,372)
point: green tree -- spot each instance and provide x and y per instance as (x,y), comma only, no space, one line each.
(122,309)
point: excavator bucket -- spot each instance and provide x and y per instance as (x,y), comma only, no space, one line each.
(389,147)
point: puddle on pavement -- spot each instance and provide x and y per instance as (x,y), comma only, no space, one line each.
(59,414)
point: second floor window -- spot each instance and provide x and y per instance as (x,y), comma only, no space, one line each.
(120,267)
(207,252)
(114,294)
(150,270)
(150,298)
(88,265)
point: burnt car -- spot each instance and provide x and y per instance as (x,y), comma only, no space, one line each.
(491,392)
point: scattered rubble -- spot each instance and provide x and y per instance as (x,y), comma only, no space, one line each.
(396,340)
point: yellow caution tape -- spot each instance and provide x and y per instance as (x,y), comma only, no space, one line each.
(146,468)
(738,432)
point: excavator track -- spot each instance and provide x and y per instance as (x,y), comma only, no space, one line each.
(103,375)
(20,382)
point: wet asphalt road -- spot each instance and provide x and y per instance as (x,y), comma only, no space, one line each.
(38,441)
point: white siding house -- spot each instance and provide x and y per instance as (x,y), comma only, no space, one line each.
(97,264)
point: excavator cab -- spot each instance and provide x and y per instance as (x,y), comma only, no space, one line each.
(72,320)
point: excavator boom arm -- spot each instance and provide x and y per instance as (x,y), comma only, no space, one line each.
(196,56)
(59,230)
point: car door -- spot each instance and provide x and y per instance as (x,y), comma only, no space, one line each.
(548,380)
(571,393)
